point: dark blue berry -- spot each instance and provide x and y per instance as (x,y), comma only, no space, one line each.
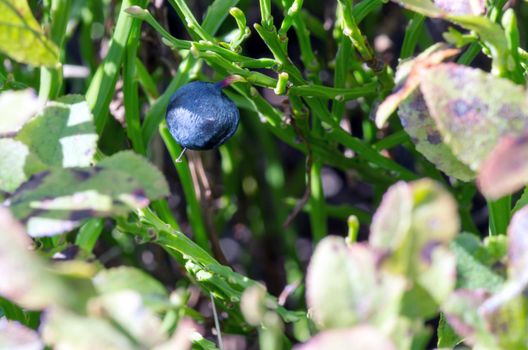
(200,116)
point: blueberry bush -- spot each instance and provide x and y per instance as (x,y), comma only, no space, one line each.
(355,174)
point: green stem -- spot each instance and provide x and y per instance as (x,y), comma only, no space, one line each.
(102,86)
(130,92)
(338,94)
(194,210)
(51,78)
(317,205)
(88,234)
(499,215)
(412,33)
(196,31)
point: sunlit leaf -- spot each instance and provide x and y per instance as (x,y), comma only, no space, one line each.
(21,37)
(412,229)
(59,200)
(26,278)
(15,162)
(392,221)
(17,107)
(418,123)
(415,116)
(421,212)
(408,78)
(344,286)
(64,329)
(473,109)
(127,310)
(252,304)
(128,278)
(181,339)
(150,178)
(63,134)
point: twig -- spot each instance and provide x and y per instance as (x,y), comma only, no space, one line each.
(217,324)
(309,161)
(203,191)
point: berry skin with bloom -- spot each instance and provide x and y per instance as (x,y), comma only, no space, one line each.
(201,117)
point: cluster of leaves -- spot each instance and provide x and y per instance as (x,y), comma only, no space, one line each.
(62,171)
(414,264)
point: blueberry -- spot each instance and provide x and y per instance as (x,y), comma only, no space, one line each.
(200,116)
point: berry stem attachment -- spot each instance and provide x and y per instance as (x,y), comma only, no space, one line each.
(229,80)
(179,159)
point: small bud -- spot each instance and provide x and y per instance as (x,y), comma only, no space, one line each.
(137,12)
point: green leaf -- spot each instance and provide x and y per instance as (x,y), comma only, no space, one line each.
(447,337)
(149,177)
(21,37)
(474,264)
(420,126)
(521,202)
(408,78)
(64,329)
(412,229)
(344,286)
(473,109)
(63,135)
(15,163)
(126,309)
(129,278)
(59,200)
(27,279)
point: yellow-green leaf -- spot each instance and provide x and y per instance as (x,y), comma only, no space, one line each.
(21,37)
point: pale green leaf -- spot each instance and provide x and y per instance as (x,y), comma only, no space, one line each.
(26,279)
(64,329)
(129,278)
(420,126)
(126,309)
(474,264)
(412,229)
(12,160)
(63,135)
(473,109)
(16,108)
(59,200)
(150,178)
(344,286)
